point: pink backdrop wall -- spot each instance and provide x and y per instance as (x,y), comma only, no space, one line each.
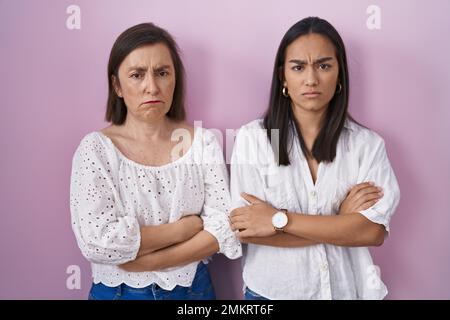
(53,91)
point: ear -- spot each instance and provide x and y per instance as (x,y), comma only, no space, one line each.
(116,85)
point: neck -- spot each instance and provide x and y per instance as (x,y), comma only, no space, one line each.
(309,122)
(145,131)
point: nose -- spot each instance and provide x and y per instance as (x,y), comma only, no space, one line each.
(151,86)
(311,78)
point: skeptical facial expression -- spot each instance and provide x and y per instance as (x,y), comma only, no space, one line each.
(146,82)
(311,72)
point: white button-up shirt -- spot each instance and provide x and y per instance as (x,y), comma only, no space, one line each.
(321,271)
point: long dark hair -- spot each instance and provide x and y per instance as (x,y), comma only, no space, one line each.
(279,114)
(132,38)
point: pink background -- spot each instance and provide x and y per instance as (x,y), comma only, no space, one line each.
(53,92)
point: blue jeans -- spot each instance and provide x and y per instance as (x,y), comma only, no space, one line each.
(201,289)
(251,295)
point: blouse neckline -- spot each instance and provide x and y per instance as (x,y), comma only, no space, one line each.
(144,166)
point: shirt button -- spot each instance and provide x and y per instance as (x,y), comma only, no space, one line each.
(325,267)
(313,193)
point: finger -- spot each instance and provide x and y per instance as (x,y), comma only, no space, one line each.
(367,205)
(368,198)
(238,225)
(237,212)
(368,191)
(250,198)
(357,193)
(237,219)
(373,196)
(360,186)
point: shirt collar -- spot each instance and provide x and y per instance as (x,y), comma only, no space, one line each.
(350,125)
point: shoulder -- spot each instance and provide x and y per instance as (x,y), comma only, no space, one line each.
(252,130)
(94,144)
(253,134)
(362,136)
(253,125)
(252,145)
(91,140)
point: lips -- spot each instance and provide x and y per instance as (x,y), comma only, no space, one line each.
(151,102)
(312,94)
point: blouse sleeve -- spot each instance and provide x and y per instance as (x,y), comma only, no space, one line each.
(104,233)
(216,207)
(375,166)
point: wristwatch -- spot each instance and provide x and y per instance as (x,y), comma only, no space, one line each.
(280,220)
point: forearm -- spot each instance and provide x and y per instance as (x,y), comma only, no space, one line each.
(158,237)
(202,245)
(284,240)
(351,230)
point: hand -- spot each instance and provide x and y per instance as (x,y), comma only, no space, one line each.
(361,197)
(190,225)
(254,220)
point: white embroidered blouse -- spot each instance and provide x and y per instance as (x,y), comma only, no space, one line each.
(111,196)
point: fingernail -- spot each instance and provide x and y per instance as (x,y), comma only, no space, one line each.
(371,183)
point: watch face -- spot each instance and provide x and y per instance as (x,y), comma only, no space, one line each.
(279,220)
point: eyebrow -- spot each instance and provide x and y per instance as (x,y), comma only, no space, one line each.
(320,60)
(143,69)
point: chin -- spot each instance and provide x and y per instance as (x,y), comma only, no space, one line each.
(152,116)
(311,107)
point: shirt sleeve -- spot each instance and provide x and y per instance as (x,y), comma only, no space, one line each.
(375,167)
(216,207)
(104,233)
(245,176)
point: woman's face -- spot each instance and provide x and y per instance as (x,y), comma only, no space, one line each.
(147,82)
(311,72)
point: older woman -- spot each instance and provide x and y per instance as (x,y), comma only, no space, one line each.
(319,186)
(149,195)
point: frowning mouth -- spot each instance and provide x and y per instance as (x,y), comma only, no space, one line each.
(311,94)
(152,102)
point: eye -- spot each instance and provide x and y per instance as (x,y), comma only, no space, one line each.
(324,66)
(163,73)
(298,68)
(136,76)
